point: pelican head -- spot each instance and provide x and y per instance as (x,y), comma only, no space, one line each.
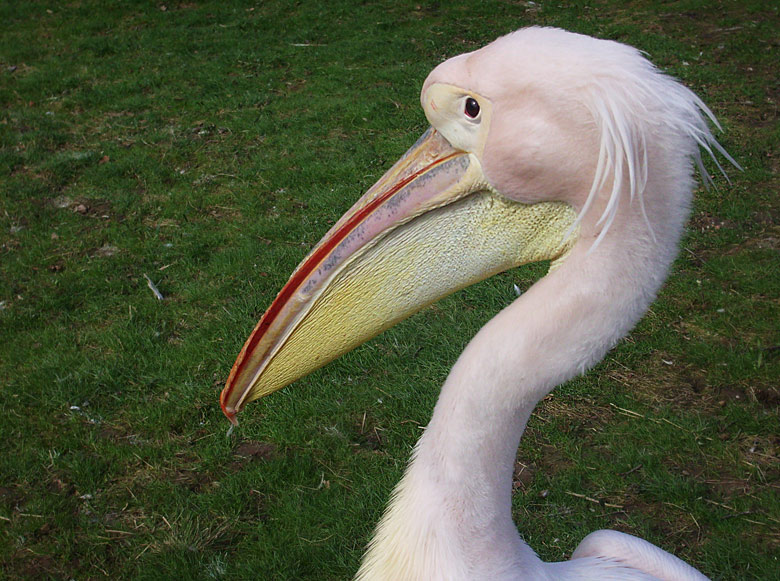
(538,142)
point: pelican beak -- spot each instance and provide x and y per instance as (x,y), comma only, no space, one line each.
(430,226)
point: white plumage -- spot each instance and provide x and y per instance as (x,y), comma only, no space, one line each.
(450,516)
(545,144)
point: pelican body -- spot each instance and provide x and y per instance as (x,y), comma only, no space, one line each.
(544,145)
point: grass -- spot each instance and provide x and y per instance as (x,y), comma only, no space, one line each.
(208,146)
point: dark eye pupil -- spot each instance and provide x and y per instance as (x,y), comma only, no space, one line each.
(472,107)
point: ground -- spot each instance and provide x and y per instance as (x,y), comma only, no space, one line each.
(207,147)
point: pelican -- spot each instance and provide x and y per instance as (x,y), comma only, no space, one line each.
(543,145)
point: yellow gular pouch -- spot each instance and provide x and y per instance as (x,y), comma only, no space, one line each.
(413,266)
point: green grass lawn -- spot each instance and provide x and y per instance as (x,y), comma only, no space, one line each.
(208,146)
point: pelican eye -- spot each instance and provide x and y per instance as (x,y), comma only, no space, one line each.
(472,108)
